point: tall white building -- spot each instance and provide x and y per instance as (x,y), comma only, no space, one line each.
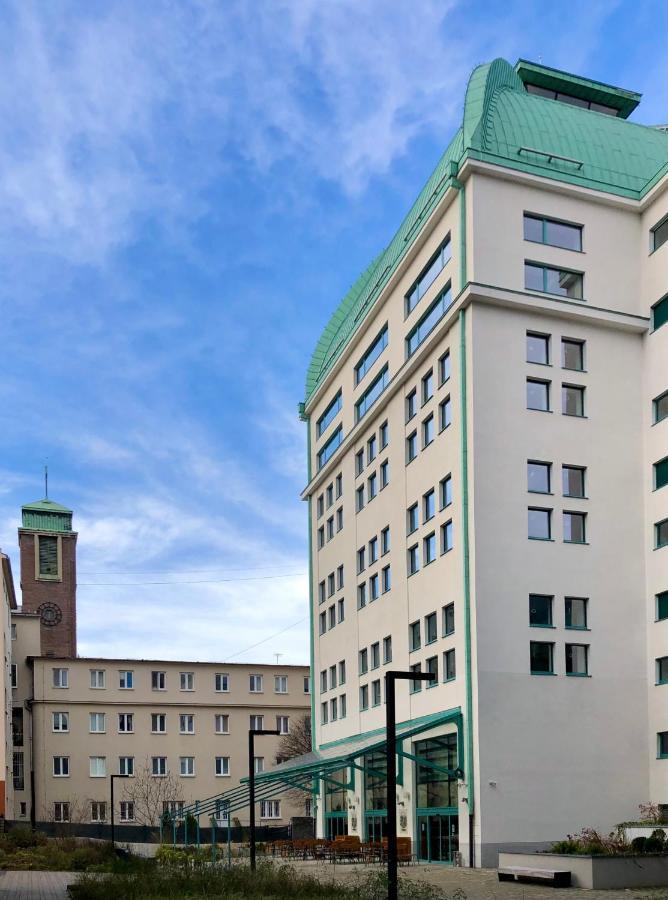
(487,414)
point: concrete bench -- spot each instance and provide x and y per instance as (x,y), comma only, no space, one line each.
(555,877)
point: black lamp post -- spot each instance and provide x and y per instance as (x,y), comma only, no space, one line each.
(112,807)
(251,785)
(391,736)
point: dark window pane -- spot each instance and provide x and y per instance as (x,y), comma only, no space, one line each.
(573,481)
(574,527)
(663,743)
(539,523)
(538,477)
(537,395)
(540,91)
(558,234)
(660,235)
(662,605)
(572,400)
(576,659)
(538,348)
(662,670)
(662,533)
(573,101)
(565,284)
(660,313)
(572,356)
(540,609)
(541,657)
(533,229)
(661,407)
(576,612)
(661,473)
(533,277)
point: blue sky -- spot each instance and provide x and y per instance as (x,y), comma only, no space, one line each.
(188,189)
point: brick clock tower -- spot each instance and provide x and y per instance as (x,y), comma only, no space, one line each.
(47,547)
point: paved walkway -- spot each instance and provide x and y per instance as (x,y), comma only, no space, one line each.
(35,885)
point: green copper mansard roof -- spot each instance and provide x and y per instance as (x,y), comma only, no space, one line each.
(505,125)
(46,515)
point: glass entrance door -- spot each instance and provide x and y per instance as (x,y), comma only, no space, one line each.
(438,837)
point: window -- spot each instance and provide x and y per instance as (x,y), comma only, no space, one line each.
(323,680)
(415,684)
(361,557)
(332,676)
(375,655)
(222,767)
(552,232)
(342,672)
(429,320)
(449,665)
(98,766)
(372,393)
(61,811)
(371,449)
(412,518)
(384,435)
(661,534)
(329,494)
(427,431)
(98,811)
(411,405)
(361,595)
(255,684)
(662,606)
(374,587)
(339,485)
(572,354)
(444,368)
(428,386)
(387,579)
(428,275)
(538,348)
(659,234)
(549,280)
(662,744)
(329,415)
(448,619)
(221,723)
(126,680)
(126,765)
(413,559)
(446,537)
(375,692)
(270,809)
(324,713)
(18,772)
(572,400)
(330,447)
(222,682)
(159,765)
(341,609)
(541,655)
(186,766)
(385,540)
(323,622)
(126,723)
(61,678)
(307,684)
(414,639)
(373,550)
(574,527)
(159,681)
(359,462)
(322,594)
(387,649)
(538,394)
(158,723)
(662,670)
(577,659)
(186,723)
(331,585)
(444,413)
(445,490)
(429,548)
(61,721)
(339,518)
(411,447)
(661,473)
(538,477)
(97,722)
(61,766)
(256,723)
(660,313)
(430,628)
(384,474)
(330,528)
(573,481)
(571,100)
(359,498)
(187,681)
(97,679)
(321,505)
(540,524)
(363,661)
(540,610)
(371,355)
(342,706)
(660,407)
(48,556)
(127,811)
(13,674)
(372,486)
(280,684)
(259,764)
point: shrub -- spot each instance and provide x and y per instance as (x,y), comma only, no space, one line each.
(638,844)
(22,836)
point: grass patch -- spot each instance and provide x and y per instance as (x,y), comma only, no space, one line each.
(22,849)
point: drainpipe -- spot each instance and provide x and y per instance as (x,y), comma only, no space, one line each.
(465,510)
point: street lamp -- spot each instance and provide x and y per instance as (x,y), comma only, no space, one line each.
(391,750)
(251,785)
(112,806)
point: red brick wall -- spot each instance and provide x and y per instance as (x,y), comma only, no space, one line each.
(61,639)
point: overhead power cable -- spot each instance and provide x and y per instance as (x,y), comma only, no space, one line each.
(202,581)
(264,640)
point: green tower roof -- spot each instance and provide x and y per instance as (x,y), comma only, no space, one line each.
(505,125)
(46,515)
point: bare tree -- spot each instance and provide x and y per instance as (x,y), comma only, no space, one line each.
(77,813)
(150,793)
(296,743)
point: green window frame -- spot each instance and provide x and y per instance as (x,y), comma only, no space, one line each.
(661,606)
(415,685)
(661,534)
(660,313)
(448,619)
(371,354)
(372,393)
(662,745)
(576,611)
(428,275)
(577,660)
(661,473)
(47,549)
(552,280)
(431,666)
(330,447)
(660,407)
(540,610)
(541,657)
(329,414)
(449,665)
(553,232)
(659,234)
(429,320)
(661,670)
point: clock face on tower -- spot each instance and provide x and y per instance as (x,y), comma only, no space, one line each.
(50,614)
